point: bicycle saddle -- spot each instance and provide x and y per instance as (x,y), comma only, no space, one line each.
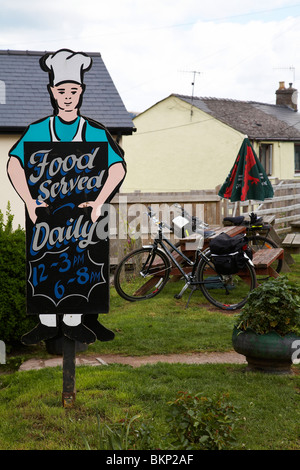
(235,220)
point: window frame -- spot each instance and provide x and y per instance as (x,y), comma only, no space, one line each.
(296,170)
(266,158)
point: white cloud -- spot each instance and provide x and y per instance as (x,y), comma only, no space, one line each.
(149,48)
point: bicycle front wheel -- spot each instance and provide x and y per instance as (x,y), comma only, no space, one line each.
(142,274)
(227,292)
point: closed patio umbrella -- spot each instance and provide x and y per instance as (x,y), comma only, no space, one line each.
(247,179)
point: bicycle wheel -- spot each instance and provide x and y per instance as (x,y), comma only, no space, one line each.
(227,292)
(258,242)
(142,274)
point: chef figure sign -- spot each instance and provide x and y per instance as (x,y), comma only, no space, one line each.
(66,168)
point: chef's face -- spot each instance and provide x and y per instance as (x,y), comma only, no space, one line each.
(67,96)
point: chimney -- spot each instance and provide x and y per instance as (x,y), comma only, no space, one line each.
(287,96)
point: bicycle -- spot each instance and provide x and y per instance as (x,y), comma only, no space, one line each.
(143,273)
(254,228)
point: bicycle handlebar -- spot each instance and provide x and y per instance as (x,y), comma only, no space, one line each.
(196,222)
(192,218)
(151,215)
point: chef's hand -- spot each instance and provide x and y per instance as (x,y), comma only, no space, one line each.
(32,205)
(96,209)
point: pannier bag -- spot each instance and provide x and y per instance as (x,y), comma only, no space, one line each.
(229,254)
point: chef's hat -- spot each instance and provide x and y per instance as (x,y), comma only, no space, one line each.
(65,66)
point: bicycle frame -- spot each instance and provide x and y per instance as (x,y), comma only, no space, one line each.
(161,240)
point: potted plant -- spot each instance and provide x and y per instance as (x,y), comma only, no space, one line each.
(267,330)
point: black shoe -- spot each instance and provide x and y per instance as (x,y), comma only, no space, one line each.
(39,333)
(79,333)
(102,333)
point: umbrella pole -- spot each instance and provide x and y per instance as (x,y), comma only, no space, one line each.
(234,209)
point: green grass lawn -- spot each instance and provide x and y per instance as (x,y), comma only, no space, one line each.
(163,325)
(32,416)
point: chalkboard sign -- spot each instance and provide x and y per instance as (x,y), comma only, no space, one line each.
(67,254)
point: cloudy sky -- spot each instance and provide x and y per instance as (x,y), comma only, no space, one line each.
(239,50)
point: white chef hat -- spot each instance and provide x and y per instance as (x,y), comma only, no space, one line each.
(65,66)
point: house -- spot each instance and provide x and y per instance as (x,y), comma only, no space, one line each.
(187,143)
(24,99)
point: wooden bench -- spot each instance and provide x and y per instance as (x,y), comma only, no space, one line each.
(291,243)
(263,260)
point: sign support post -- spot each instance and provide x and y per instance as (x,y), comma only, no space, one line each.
(69,367)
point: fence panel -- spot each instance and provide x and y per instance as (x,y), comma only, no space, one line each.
(285,205)
(130,226)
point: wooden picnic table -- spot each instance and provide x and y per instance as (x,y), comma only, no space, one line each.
(191,243)
(262,259)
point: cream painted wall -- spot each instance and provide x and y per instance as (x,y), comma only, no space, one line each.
(7,192)
(174,151)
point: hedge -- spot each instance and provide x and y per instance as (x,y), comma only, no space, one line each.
(14,321)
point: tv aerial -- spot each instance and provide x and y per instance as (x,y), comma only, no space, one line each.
(195,73)
(292,69)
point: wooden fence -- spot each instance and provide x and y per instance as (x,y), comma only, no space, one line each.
(285,206)
(130,226)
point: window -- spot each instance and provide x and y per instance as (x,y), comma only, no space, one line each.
(266,157)
(297,158)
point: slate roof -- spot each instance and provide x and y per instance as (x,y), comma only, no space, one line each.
(260,121)
(27,99)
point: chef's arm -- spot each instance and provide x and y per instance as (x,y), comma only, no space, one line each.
(116,173)
(18,179)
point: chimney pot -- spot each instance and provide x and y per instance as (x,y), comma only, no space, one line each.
(287,96)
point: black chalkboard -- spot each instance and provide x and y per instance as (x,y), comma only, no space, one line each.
(67,254)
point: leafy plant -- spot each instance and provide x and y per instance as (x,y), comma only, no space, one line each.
(121,436)
(202,423)
(272,306)
(13,319)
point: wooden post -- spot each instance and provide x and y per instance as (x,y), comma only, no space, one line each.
(69,365)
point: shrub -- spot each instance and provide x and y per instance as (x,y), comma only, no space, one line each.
(194,422)
(202,423)
(13,319)
(273,306)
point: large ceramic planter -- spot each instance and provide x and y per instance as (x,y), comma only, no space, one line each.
(266,353)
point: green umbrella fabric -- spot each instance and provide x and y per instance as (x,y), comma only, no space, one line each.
(247,179)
